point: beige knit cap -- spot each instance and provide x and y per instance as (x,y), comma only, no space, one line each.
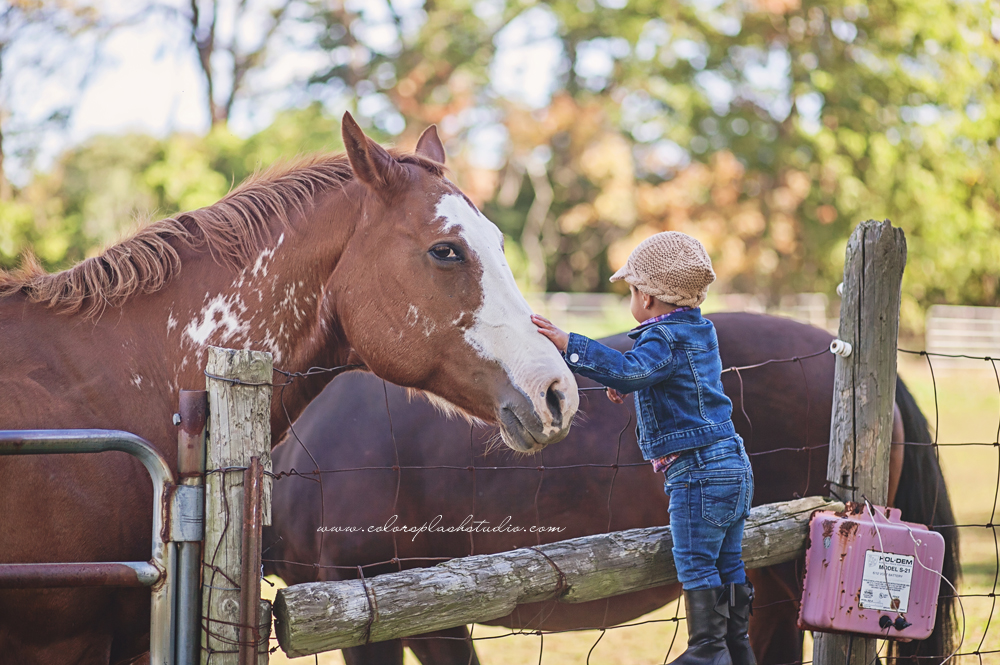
(670,266)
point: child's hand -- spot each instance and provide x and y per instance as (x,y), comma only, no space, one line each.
(615,396)
(556,336)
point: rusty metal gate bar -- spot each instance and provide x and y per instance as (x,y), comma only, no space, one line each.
(157,573)
(193,413)
(253,497)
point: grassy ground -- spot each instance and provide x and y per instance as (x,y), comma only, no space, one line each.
(969,411)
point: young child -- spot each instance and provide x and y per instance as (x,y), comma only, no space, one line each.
(685,428)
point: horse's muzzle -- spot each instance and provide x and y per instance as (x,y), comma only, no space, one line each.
(526,430)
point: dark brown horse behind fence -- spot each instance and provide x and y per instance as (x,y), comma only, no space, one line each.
(370,259)
(415,464)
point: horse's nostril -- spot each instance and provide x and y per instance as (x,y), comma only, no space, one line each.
(554,399)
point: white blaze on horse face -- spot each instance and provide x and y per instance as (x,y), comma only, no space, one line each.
(502,329)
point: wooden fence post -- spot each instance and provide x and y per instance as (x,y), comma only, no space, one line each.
(239,428)
(864,392)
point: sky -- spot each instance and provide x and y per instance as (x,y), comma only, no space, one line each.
(142,86)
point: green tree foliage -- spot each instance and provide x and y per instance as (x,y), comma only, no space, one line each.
(769,130)
(103,187)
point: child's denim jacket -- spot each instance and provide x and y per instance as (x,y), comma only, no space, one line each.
(675,371)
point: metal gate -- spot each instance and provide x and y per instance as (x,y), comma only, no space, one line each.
(177,519)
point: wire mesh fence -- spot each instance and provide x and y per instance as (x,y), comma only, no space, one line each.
(964,413)
(958,403)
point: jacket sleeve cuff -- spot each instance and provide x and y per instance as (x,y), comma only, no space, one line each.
(576,349)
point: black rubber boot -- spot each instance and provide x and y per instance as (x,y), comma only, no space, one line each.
(740,598)
(707,617)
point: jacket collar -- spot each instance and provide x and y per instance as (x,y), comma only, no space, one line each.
(689,316)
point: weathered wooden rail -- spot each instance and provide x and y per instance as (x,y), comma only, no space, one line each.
(310,618)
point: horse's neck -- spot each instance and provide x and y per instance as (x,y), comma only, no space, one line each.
(273,304)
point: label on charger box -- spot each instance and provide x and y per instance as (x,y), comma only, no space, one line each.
(885,584)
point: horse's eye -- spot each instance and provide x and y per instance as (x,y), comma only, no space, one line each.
(445,252)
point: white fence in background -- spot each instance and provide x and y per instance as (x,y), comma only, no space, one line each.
(961,330)
(565,308)
(575,304)
(808,308)
(950,329)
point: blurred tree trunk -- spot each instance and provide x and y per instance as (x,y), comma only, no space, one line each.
(203,37)
(6,20)
(203,25)
(534,223)
(6,193)
(50,32)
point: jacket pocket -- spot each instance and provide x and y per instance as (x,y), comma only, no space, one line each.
(723,498)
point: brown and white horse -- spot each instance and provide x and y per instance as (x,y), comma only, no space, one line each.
(373,258)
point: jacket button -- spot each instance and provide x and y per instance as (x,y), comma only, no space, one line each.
(575,358)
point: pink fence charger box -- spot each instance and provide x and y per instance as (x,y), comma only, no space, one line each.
(869,572)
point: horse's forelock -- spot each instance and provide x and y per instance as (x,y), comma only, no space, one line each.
(429,165)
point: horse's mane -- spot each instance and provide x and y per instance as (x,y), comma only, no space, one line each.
(233,230)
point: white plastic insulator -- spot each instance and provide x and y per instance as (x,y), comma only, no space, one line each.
(839,347)
(840,289)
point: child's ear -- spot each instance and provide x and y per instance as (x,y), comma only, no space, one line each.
(647,301)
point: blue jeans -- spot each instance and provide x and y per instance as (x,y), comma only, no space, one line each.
(710,490)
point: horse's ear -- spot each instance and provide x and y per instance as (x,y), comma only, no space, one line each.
(429,145)
(371,163)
